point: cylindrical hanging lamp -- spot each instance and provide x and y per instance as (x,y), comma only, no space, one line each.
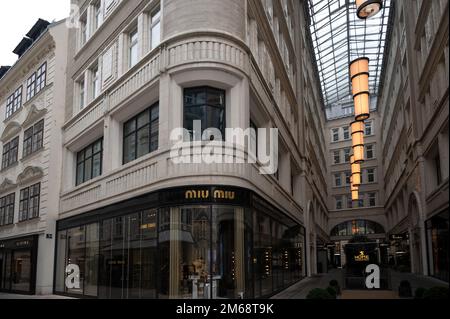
(359,74)
(368,8)
(356,172)
(357,128)
(355,193)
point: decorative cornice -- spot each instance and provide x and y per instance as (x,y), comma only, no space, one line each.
(29,174)
(10,131)
(6,185)
(34,114)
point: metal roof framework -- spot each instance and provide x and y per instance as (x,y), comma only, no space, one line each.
(339,37)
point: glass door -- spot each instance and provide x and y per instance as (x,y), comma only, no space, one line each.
(21,271)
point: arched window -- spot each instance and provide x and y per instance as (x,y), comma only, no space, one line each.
(357,227)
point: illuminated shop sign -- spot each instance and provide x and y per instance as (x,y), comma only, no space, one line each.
(205,194)
(362,257)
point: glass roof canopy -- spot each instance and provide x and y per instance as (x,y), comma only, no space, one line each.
(339,37)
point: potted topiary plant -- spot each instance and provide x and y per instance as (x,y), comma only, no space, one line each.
(332,291)
(405,291)
(335,285)
(318,294)
(418,294)
(436,293)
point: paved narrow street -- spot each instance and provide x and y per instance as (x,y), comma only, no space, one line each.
(301,289)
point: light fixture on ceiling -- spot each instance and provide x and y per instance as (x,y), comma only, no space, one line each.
(357,128)
(368,8)
(356,172)
(359,73)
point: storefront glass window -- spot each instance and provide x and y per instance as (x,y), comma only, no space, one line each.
(193,252)
(437,235)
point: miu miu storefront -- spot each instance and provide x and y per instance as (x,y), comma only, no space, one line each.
(196,242)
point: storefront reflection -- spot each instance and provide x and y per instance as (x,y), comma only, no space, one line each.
(185,252)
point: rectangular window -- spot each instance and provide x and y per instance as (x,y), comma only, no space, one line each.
(335,134)
(337,157)
(37,81)
(371,175)
(372,199)
(133,51)
(337,180)
(140,134)
(361,201)
(89,162)
(96,86)
(33,138)
(155,28)
(41,77)
(10,153)
(29,202)
(370,152)
(368,128)
(83,29)
(347,152)
(98,18)
(338,202)
(7,209)
(437,167)
(349,202)
(207,105)
(80,85)
(346,130)
(31,86)
(14,102)
(253,139)
(348,176)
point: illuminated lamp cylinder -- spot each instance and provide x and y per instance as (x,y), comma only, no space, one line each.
(359,74)
(368,8)
(356,172)
(357,128)
(355,193)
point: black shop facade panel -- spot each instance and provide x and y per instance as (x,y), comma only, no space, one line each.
(202,242)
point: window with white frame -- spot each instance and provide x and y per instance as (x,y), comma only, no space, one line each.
(155,28)
(7,209)
(13,102)
(370,153)
(370,175)
(335,134)
(36,82)
(98,15)
(347,152)
(96,84)
(372,199)
(337,157)
(133,48)
(33,138)
(346,131)
(83,28)
(337,180)
(368,128)
(80,88)
(338,200)
(348,176)
(10,153)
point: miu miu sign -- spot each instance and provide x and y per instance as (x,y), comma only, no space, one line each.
(205,194)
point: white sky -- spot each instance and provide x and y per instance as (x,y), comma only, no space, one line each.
(15,22)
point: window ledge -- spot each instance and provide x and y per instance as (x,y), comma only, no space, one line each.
(7,226)
(14,115)
(32,155)
(34,98)
(29,221)
(9,167)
